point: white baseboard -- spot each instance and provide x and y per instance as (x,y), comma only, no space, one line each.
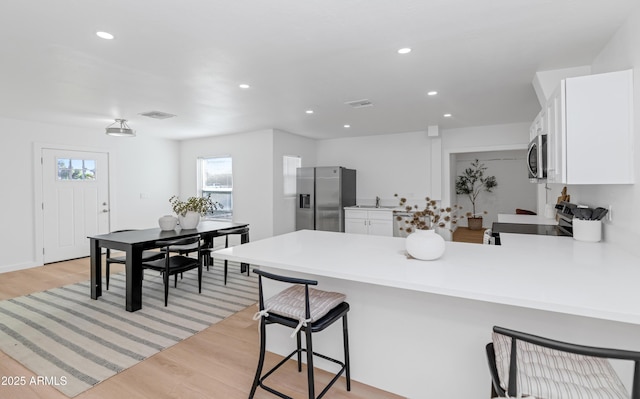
(18,266)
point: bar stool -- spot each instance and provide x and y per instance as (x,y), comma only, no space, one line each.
(303,309)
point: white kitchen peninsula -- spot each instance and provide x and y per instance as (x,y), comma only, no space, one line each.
(418,327)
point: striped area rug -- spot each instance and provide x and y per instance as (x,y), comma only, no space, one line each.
(74,342)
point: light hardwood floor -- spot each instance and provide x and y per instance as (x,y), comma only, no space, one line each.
(463,234)
(218,362)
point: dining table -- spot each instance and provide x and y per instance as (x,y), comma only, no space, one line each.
(133,242)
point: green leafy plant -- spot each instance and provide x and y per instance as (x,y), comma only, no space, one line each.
(201,205)
(472,182)
(428,216)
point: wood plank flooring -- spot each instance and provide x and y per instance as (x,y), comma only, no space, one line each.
(218,362)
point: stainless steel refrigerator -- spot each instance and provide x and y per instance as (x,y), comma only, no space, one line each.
(322,193)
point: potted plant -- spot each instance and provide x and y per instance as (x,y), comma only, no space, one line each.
(189,211)
(471,183)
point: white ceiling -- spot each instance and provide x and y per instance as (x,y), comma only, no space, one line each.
(188,58)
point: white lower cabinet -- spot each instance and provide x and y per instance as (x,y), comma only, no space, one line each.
(378,222)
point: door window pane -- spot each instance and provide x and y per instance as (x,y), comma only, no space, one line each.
(76,169)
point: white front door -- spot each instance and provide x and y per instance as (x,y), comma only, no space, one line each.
(75,192)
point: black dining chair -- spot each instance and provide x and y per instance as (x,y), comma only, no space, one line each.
(303,309)
(241,231)
(176,264)
(523,364)
(147,256)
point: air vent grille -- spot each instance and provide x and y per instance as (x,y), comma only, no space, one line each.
(157,115)
(359,103)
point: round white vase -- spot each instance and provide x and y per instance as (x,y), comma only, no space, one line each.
(425,244)
(189,221)
(167,222)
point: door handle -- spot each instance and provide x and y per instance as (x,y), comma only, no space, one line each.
(105,211)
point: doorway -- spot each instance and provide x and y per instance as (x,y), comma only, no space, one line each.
(75,201)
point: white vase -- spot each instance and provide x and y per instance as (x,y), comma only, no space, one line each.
(167,222)
(189,221)
(425,244)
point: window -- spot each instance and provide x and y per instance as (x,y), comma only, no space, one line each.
(216,180)
(289,165)
(76,169)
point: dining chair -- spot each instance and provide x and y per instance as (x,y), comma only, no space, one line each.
(303,309)
(522,364)
(176,264)
(242,231)
(146,257)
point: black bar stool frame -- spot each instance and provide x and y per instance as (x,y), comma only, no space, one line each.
(338,312)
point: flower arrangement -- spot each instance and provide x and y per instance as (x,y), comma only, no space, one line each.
(431,215)
(201,205)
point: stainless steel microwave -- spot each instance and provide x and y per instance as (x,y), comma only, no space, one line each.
(537,159)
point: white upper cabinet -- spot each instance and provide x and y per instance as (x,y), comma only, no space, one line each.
(537,127)
(589,124)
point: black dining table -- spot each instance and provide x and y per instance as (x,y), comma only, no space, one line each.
(133,242)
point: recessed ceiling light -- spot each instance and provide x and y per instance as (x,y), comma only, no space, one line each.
(447,115)
(243,86)
(432,93)
(309,111)
(405,50)
(105,35)
(347,126)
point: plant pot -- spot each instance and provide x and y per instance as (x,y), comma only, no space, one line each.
(474,223)
(189,221)
(425,244)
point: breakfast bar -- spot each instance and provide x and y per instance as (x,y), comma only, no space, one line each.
(419,326)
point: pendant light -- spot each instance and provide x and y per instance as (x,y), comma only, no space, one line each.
(121,129)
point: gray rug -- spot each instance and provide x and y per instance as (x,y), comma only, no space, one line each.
(76,342)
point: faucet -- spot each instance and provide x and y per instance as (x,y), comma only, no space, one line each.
(377,202)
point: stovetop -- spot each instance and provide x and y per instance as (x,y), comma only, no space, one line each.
(522,228)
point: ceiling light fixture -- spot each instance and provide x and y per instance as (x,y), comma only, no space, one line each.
(243,86)
(347,126)
(447,115)
(432,93)
(122,131)
(309,111)
(405,50)
(104,35)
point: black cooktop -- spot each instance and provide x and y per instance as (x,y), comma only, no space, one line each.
(522,228)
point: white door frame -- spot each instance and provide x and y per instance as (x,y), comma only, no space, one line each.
(38,195)
(448,175)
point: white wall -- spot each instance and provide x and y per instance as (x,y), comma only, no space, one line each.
(513,190)
(385,164)
(506,137)
(621,52)
(253,180)
(137,165)
(284,208)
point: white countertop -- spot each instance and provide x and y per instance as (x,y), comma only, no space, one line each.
(547,273)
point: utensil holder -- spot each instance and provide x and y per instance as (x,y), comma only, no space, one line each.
(587,230)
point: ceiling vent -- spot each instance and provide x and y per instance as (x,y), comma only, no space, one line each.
(359,103)
(157,115)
